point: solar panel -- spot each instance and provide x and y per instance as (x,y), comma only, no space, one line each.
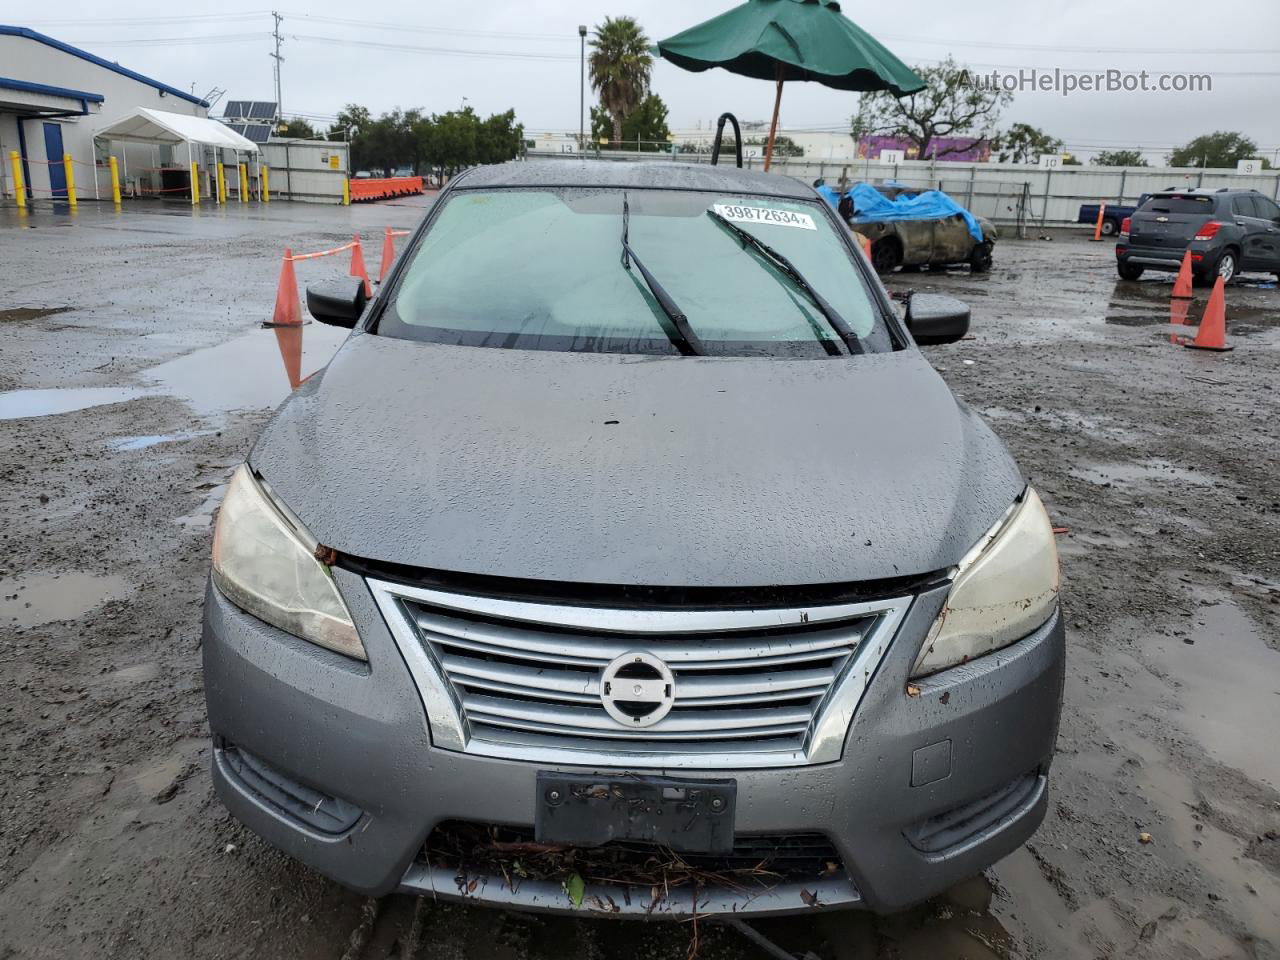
(235,127)
(257,132)
(261,110)
(235,109)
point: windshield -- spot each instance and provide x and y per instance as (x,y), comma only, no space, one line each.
(543,269)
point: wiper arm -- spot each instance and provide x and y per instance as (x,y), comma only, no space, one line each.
(685,340)
(837,322)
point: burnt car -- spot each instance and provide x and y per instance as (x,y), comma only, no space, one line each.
(914,242)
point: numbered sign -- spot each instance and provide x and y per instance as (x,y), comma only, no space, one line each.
(1050,161)
(893,156)
(1249,167)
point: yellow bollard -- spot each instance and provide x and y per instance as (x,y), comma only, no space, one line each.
(242,185)
(115,180)
(346,192)
(195,184)
(69,167)
(266,185)
(19,188)
(222,184)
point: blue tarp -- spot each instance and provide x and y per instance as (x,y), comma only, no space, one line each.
(872,206)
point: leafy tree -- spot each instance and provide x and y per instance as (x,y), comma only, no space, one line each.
(296,129)
(952,104)
(620,67)
(1023,143)
(1219,149)
(1119,158)
(647,123)
(446,143)
(500,138)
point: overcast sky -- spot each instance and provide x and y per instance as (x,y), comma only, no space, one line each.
(524,55)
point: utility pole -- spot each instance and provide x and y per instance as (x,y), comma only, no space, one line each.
(278,59)
(582,92)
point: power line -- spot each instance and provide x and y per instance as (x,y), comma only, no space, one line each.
(438,51)
(172,41)
(416,28)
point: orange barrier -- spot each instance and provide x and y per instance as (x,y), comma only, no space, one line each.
(1212,334)
(1097,229)
(1182,286)
(364,189)
(389,251)
(288,308)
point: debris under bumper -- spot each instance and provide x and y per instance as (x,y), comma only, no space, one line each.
(332,761)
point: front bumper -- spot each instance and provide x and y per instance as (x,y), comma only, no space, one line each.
(357,732)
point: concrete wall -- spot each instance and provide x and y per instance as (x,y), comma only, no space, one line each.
(30,60)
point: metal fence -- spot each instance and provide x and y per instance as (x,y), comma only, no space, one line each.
(1008,194)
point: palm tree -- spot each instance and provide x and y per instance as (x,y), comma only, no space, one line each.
(620,68)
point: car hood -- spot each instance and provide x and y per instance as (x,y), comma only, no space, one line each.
(601,468)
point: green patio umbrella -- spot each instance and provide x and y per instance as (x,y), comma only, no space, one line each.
(783,40)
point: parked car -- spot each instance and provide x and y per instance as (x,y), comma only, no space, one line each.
(1227,232)
(1112,217)
(937,242)
(631,519)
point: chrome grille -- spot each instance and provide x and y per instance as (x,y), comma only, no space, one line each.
(516,679)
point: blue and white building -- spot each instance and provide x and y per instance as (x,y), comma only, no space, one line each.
(54,98)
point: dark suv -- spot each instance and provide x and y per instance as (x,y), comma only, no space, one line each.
(1227,232)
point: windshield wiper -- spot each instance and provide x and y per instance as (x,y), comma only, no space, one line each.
(788,269)
(684,339)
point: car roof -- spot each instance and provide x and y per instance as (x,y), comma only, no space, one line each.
(634,175)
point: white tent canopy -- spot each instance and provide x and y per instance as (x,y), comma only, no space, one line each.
(158,126)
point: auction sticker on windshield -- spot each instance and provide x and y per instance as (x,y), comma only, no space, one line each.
(785,218)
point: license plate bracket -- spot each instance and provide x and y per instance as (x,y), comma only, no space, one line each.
(687,816)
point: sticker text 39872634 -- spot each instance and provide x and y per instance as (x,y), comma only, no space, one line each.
(784,218)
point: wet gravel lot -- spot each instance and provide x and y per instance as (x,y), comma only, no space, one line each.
(133,378)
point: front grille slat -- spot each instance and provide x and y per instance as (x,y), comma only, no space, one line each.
(695,724)
(751,687)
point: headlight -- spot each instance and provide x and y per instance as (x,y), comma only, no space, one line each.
(263,562)
(1004,588)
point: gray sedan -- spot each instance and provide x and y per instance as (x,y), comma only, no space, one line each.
(629,558)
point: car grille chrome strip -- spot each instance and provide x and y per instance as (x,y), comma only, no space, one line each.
(523,680)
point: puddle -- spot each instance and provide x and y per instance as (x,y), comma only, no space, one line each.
(1141,471)
(202,516)
(141,443)
(252,372)
(34,599)
(19,314)
(255,371)
(1229,685)
(17,404)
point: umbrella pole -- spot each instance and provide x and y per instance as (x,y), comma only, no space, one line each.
(773,127)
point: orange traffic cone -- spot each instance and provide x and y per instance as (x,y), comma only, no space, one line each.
(388,255)
(1212,334)
(288,310)
(289,339)
(1182,286)
(357,266)
(865,243)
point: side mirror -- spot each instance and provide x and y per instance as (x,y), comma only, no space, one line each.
(338,303)
(935,318)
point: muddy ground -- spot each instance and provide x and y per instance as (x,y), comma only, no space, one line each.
(133,378)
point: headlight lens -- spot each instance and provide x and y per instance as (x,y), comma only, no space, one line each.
(262,563)
(1005,588)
